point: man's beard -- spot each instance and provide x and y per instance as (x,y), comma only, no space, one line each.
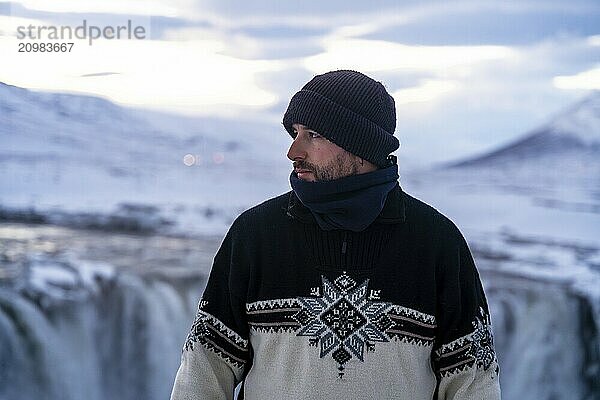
(343,165)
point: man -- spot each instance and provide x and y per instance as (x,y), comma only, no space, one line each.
(346,286)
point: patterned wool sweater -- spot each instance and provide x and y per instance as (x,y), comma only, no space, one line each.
(396,311)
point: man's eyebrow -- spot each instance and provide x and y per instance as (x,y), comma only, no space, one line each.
(304,127)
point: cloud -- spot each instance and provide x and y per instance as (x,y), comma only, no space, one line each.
(489,103)
(99,74)
(9,25)
(481,86)
(147,7)
(189,77)
(594,40)
(427,91)
(378,55)
(243,46)
(587,80)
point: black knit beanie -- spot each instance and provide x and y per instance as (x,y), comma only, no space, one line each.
(351,110)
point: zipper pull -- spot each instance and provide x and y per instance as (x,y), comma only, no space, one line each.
(344,244)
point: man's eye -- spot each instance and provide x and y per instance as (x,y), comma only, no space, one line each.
(314,135)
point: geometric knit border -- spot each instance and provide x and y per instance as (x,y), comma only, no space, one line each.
(258,306)
(273,316)
(276,316)
(230,334)
(215,336)
(408,329)
(343,319)
(290,304)
(475,349)
(415,315)
(448,348)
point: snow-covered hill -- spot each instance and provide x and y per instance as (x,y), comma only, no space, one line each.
(564,149)
(576,129)
(546,183)
(73,156)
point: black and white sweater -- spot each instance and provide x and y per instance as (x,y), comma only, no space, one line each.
(396,311)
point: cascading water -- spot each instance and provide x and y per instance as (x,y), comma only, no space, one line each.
(75,329)
(546,339)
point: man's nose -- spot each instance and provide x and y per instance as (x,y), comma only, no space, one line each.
(297,149)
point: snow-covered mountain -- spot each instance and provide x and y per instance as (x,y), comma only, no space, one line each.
(75,155)
(565,148)
(576,129)
(545,183)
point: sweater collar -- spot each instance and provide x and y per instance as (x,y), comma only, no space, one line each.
(393,211)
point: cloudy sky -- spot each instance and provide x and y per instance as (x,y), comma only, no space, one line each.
(466,75)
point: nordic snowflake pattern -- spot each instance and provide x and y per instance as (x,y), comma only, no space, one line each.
(343,320)
(482,345)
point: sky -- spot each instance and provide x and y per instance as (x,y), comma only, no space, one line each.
(467,76)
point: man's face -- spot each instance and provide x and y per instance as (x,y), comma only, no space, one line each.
(317,159)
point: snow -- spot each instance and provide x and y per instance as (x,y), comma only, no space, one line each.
(69,154)
(47,277)
(91,272)
(98,164)
(533,222)
(65,278)
(582,121)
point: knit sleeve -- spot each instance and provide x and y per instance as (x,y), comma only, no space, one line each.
(216,352)
(463,356)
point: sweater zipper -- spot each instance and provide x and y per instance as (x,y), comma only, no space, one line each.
(344,244)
